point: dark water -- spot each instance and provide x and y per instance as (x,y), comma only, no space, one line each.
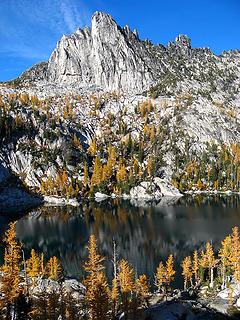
(144,235)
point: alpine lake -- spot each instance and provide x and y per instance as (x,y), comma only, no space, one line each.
(144,233)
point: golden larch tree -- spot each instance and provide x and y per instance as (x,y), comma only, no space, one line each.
(92,150)
(112,156)
(10,276)
(143,290)
(136,166)
(225,255)
(127,285)
(235,248)
(98,298)
(97,291)
(152,133)
(150,166)
(53,269)
(33,265)
(209,261)
(96,178)
(94,263)
(234,255)
(195,267)
(121,173)
(160,276)
(187,271)
(170,272)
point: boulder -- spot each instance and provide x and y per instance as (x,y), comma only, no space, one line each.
(73,202)
(61,201)
(238,303)
(166,187)
(100,196)
(146,190)
(224,294)
(170,311)
(54,200)
(71,285)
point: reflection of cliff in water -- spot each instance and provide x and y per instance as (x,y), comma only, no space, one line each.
(144,236)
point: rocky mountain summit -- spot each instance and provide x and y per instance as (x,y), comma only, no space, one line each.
(114,58)
(110,112)
(105,55)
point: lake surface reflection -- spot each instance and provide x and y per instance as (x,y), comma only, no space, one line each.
(144,235)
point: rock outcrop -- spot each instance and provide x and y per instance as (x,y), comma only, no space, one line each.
(147,191)
(110,57)
(177,310)
(106,55)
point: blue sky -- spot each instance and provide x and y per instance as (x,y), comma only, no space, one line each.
(29,29)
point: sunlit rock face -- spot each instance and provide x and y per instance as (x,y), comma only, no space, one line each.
(109,57)
(105,55)
(112,58)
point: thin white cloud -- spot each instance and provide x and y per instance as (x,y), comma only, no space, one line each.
(56,15)
(35,23)
(69,16)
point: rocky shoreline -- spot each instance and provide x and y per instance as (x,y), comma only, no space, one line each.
(159,192)
(190,304)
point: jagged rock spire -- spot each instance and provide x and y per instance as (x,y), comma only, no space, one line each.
(183,40)
(114,58)
(105,55)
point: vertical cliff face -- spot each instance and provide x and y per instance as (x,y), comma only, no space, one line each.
(114,58)
(105,55)
(120,59)
(70,61)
